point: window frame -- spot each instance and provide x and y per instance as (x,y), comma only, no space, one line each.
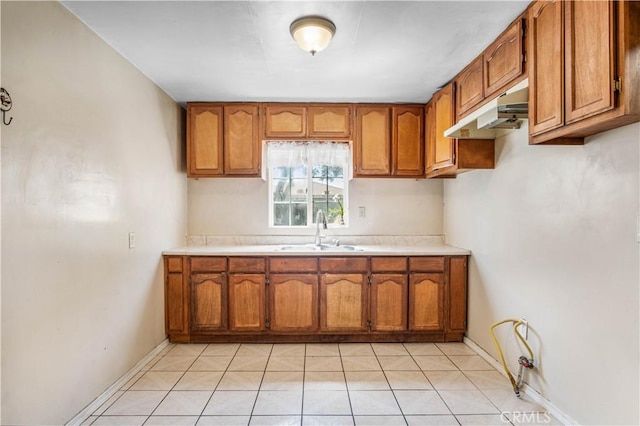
(346,177)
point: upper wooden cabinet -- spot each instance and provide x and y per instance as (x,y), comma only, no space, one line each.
(329,121)
(204,140)
(447,157)
(469,87)
(373,141)
(503,61)
(499,67)
(389,140)
(242,150)
(441,149)
(583,68)
(407,150)
(223,140)
(307,121)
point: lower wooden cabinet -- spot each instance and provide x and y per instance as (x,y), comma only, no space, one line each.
(208,302)
(388,302)
(246,302)
(315,298)
(293,302)
(343,305)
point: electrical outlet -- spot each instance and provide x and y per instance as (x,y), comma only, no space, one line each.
(132,240)
(362,212)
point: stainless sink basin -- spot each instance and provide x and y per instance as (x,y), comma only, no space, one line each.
(313,247)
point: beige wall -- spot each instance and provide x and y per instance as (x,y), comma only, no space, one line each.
(553,235)
(240,206)
(93,153)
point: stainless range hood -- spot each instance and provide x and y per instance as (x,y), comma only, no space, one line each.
(495,118)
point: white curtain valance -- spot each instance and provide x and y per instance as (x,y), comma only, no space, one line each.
(295,154)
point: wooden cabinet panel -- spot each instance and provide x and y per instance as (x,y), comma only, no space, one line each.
(373,141)
(469,86)
(444,148)
(343,264)
(546,66)
(208,302)
(503,60)
(176,304)
(589,55)
(204,140)
(426,301)
(246,302)
(329,121)
(293,264)
(408,141)
(242,150)
(247,264)
(458,293)
(174,264)
(208,264)
(426,263)
(293,302)
(285,121)
(343,303)
(388,302)
(388,264)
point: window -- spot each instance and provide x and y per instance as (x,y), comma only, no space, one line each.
(305,177)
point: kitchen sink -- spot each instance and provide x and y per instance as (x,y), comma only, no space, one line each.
(322,247)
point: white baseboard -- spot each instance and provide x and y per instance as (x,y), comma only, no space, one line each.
(529,391)
(104,396)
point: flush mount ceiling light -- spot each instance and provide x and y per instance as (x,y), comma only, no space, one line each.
(312,33)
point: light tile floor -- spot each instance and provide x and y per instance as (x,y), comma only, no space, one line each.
(318,384)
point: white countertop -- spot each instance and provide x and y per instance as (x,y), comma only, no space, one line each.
(364,246)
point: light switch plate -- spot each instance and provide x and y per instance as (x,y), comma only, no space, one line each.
(132,240)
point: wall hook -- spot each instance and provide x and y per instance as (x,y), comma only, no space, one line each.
(5,105)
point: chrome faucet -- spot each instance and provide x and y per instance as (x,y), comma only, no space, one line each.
(320,216)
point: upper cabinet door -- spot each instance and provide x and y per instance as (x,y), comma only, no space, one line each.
(546,66)
(373,141)
(241,140)
(503,59)
(443,148)
(204,140)
(589,58)
(469,87)
(408,141)
(329,121)
(285,121)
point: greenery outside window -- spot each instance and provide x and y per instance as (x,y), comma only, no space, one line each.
(305,177)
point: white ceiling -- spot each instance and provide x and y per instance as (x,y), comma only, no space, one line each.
(383,51)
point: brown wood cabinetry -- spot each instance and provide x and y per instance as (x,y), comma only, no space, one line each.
(407,150)
(176,300)
(247,283)
(389,141)
(503,61)
(583,68)
(373,141)
(469,87)
(223,140)
(292,298)
(329,121)
(447,157)
(307,121)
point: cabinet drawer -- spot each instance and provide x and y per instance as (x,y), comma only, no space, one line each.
(208,264)
(174,264)
(427,264)
(247,264)
(343,264)
(293,264)
(388,264)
